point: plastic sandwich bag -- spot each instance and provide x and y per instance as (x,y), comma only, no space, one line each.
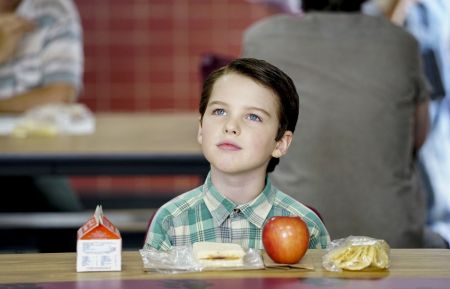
(181,260)
(356,253)
(55,119)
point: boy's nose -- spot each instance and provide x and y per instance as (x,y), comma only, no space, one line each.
(232,131)
(232,128)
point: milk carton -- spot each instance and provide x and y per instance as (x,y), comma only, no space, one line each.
(99,245)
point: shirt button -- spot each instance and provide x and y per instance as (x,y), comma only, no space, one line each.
(235,213)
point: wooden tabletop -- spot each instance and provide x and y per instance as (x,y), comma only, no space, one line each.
(123,144)
(428,264)
(172,132)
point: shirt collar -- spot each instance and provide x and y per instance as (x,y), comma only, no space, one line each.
(254,211)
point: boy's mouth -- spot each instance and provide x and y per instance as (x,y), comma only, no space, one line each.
(228,146)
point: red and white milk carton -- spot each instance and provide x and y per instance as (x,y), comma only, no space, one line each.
(99,245)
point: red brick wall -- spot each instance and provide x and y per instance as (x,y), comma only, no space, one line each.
(145,55)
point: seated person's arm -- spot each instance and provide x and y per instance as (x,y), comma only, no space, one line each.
(421,124)
(396,12)
(61,63)
(12,29)
(51,93)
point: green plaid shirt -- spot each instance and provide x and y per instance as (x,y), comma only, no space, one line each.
(203,214)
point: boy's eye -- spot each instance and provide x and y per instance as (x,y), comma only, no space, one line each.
(254,117)
(218,111)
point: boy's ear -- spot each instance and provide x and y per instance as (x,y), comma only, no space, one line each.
(283,144)
(199,133)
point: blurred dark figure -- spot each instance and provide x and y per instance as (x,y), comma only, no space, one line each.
(429,22)
(210,62)
(363,117)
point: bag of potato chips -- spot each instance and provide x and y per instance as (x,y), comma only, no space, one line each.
(356,253)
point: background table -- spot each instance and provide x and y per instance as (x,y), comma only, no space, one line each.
(410,268)
(128,144)
(123,144)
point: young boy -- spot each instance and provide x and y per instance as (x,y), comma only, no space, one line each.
(248,112)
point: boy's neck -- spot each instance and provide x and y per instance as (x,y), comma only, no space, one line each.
(240,188)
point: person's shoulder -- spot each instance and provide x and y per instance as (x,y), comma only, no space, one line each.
(368,28)
(50,10)
(180,204)
(374,26)
(275,21)
(294,207)
(286,204)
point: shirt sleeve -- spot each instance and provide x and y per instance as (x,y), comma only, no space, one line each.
(62,54)
(423,86)
(319,237)
(157,236)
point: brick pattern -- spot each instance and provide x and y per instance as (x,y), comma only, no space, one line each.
(136,186)
(144,55)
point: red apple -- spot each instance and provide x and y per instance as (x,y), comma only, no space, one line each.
(285,239)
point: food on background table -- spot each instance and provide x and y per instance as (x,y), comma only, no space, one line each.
(39,129)
(285,239)
(357,253)
(54,119)
(211,254)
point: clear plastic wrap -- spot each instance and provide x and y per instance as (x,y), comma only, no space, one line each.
(356,253)
(181,259)
(54,119)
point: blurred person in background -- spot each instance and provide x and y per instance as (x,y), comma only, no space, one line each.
(364,117)
(41,54)
(41,62)
(429,22)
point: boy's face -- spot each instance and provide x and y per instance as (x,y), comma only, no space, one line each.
(239,126)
